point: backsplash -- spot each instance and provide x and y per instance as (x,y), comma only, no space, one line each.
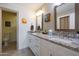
(63,34)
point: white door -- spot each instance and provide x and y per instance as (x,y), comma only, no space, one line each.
(0,30)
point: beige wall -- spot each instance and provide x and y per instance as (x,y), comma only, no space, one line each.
(9,31)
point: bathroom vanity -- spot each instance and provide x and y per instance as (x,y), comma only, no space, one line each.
(43,45)
(66,20)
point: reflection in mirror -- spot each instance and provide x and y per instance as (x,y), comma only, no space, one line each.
(64,22)
(39,22)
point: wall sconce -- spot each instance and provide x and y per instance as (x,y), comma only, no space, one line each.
(24,21)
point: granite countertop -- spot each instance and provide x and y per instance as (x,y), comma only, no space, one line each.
(56,40)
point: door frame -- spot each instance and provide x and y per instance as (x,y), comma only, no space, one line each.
(17,22)
(0,30)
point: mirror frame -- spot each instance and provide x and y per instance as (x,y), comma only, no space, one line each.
(55,18)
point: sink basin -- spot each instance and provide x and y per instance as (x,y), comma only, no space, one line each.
(44,33)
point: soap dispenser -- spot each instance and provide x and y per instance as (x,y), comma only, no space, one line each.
(50,33)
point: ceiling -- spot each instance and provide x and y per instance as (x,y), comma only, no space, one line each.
(29,6)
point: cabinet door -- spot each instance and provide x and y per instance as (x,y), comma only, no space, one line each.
(52,49)
(44,48)
(37,46)
(44,51)
(62,51)
(29,40)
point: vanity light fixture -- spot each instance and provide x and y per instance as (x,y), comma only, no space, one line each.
(39,12)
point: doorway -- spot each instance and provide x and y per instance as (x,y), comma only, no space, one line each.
(9,31)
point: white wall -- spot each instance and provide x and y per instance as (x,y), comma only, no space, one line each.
(22,28)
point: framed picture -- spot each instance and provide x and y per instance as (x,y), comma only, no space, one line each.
(47,17)
(7,24)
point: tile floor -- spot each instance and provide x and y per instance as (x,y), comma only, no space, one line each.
(23,52)
(10,47)
(11,50)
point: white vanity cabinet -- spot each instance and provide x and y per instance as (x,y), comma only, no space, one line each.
(43,47)
(51,49)
(39,46)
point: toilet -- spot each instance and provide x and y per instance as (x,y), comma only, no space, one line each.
(6,39)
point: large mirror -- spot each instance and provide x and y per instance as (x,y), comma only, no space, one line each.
(65,16)
(39,22)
